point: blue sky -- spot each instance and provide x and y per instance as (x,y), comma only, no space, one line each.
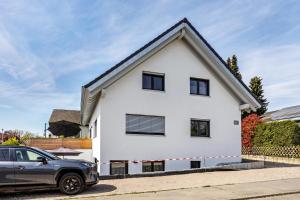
(49,49)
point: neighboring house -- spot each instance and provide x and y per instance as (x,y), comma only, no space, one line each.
(67,123)
(288,113)
(175,97)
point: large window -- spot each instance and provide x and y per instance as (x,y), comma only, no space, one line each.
(199,86)
(153,81)
(145,124)
(118,167)
(200,128)
(4,154)
(153,166)
(195,164)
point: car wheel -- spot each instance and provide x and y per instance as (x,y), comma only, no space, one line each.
(71,183)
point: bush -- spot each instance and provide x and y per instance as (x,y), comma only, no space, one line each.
(249,124)
(281,133)
(13,141)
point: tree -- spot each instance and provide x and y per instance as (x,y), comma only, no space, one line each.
(229,62)
(16,135)
(249,125)
(256,87)
(233,64)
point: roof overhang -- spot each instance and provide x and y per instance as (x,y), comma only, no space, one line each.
(182,30)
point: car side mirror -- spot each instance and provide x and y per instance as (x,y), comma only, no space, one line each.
(42,159)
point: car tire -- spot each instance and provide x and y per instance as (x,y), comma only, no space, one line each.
(71,183)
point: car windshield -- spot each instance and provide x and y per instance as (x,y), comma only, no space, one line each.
(54,157)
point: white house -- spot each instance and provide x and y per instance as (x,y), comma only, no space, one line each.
(173,98)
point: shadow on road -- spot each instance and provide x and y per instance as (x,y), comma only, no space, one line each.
(52,193)
(269,164)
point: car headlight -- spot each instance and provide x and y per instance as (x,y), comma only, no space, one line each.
(88,164)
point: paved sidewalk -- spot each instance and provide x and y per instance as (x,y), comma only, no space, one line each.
(268,190)
(173,183)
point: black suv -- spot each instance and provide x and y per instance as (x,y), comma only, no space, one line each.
(25,167)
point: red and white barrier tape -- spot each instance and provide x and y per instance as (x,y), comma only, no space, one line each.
(171,159)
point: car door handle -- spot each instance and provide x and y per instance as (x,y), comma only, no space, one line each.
(21,167)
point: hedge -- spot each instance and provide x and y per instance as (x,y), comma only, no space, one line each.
(280,133)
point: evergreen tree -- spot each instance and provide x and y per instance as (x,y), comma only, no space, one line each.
(256,88)
(229,62)
(234,67)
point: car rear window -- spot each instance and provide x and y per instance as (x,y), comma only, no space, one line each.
(4,155)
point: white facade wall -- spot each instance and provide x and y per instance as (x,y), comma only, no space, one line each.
(96,140)
(178,62)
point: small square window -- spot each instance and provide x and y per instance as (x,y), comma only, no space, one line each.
(195,164)
(199,86)
(153,81)
(200,128)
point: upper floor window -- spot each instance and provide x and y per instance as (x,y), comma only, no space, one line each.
(199,86)
(200,128)
(153,81)
(145,124)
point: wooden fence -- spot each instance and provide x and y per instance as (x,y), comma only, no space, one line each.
(54,143)
(290,152)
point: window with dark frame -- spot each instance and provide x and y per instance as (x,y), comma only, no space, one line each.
(118,167)
(153,81)
(95,129)
(195,164)
(153,166)
(200,128)
(199,86)
(145,124)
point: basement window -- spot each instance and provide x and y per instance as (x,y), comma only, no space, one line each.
(153,166)
(118,167)
(195,164)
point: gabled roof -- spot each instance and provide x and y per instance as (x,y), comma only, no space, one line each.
(183,28)
(292,113)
